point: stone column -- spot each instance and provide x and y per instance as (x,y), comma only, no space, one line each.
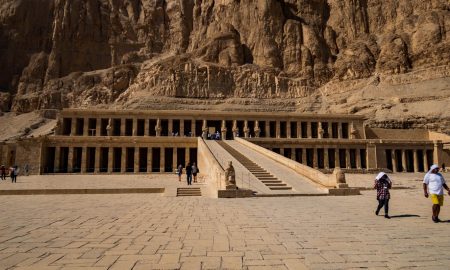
(123,161)
(122,126)
(83,159)
(174,159)
(162,163)
(282,151)
(235,129)
(339,130)
(204,130)
(437,152)
(70,160)
(110,159)
(136,159)
(277,129)
(299,129)
(146,127)
(358,158)
(394,161)
(181,131)
(288,131)
(98,127)
(416,161)
(86,127)
(97,159)
(327,130)
(308,129)
(352,131)
(267,127)
(347,159)
(337,160)
(256,129)
(135,126)
(371,161)
(73,127)
(326,160)
(149,159)
(57,158)
(315,158)
(170,127)
(426,166)
(304,156)
(186,156)
(293,154)
(223,130)
(193,130)
(404,167)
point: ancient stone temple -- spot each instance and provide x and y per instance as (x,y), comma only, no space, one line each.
(134,141)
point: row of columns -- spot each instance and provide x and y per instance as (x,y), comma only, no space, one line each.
(402,160)
(123,163)
(321,129)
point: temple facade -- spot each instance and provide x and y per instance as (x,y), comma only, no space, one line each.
(145,141)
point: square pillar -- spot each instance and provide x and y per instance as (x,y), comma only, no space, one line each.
(70,160)
(348,165)
(123,162)
(57,159)
(337,160)
(371,160)
(98,127)
(186,156)
(174,159)
(86,127)
(170,127)
(293,154)
(73,127)
(319,130)
(315,158)
(162,163)
(394,161)
(97,159)
(358,159)
(136,160)
(426,166)
(304,156)
(181,132)
(308,130)
(267,128)
(146,128)
(193,130)
(404,168)
(110,159)
(326,160)
(135,126)
(282,151)
(416,161)
(299,129)
(288,127)
(277,129)
(122,126)
(339,130)
(437,152)
(83,159)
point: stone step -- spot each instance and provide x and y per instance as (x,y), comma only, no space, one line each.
(280,188)
(181,192)
(271,181)
(275,184)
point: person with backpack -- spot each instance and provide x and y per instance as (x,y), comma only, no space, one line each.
(195,171)
(189,174)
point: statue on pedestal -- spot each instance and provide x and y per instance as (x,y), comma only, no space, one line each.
(109,127)
(257,129)
(230,177)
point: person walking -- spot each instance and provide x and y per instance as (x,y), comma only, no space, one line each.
(179,172)
(195,170)
(189,174)
(433,186)
(382,185)
(3,172)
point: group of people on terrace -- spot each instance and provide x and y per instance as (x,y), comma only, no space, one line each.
(12,171)
(191,172)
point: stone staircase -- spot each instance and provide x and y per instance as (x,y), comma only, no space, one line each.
(184,192)
(260,173)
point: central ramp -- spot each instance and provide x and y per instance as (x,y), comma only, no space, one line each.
(262,174)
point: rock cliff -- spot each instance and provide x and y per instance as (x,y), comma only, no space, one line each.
(387,59)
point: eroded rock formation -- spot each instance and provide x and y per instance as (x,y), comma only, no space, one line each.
(136,53)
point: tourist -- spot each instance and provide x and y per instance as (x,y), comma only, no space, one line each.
(217,135)
(195,170)
(3,172)
(189,173)
(14,171)
(382,185)
(179,172)
(434,184)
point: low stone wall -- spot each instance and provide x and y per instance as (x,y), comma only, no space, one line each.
(211,166)
(328,181)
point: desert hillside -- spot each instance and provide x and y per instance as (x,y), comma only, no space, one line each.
(386,59)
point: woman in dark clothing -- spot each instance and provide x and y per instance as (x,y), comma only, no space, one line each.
(189,173)
(382,185)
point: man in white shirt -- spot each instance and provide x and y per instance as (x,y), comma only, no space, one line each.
(434,184)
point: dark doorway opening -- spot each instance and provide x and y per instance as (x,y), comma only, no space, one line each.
(251,127)
(334,130)
(103,125)
(420,160)
(79,126)
(314,128)
(187,128)
(50,160)
(298,155)
(331,158)
(116,127)
(164,127)
(283,128)
(64,159)
(293,129)
(287,152)
(92,127)
(345,130)
(104,152)
(262,128)
(143,158)
(90,160)
(181,157)
(342,158)
(352,158)
(389,164)
(67,126)
(304,129)
(362,154)
(272,129)
(326,133)
(77,153)
(140,127)
(168,159)
(156,159)
(310,157)
(198,128)
(320,158)
(176,127)
(152,127)
(193,155)
(229,125)
(117,159)
(129,166)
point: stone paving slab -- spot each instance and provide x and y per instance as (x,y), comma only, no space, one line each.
(149,231)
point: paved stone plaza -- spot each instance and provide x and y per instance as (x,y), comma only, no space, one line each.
(155,231)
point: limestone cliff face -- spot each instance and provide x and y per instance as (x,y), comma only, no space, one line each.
(71,53)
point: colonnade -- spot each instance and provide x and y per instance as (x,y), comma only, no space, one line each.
(409,160)
(121,159)
(122,126)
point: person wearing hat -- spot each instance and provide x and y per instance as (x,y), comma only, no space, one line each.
(433,186)
(382,185)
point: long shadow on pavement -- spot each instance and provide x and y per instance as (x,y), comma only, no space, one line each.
(405,215)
